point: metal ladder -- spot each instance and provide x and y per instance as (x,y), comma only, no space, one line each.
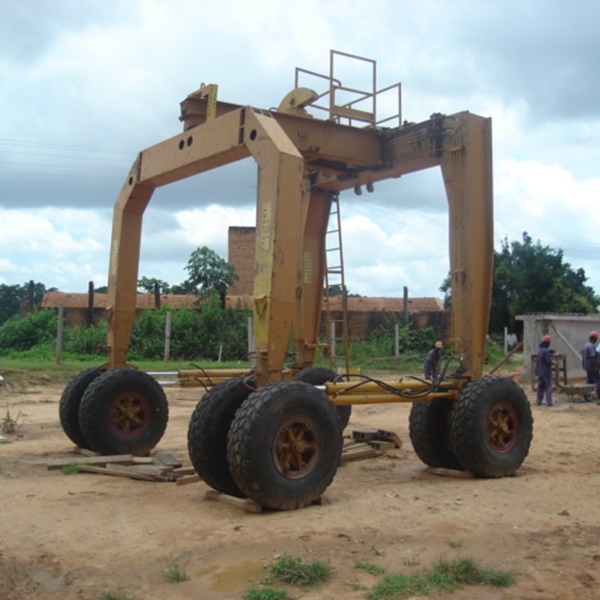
(337,324)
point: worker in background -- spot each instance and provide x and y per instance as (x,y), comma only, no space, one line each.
(432,360)
(590,361)
(543,371)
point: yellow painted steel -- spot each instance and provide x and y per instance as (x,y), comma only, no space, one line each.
(282,193)
(386,398)
(311,273)
(301,162)
(467,171)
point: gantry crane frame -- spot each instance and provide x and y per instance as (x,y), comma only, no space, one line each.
(303,162)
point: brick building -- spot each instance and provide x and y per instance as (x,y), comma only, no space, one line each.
(364,314)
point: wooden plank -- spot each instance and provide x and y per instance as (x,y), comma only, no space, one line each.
(160,472)
(243,503)
(389,436)
(364,435)
(85,451)
(450,473)
(115,472)
(353,446)
(368,452)
(143,460)
(185,479)
(382,445)
(167,459)
(58,463)
(184,471)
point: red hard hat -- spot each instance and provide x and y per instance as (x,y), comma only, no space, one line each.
(546,338)
(594,334)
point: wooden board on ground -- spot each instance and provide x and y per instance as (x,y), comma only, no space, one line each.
(450,473)
(185,479)
(147,468)
(359,452)
(116,472)
(243,503)
(122,459)
(376,435)
(368,443)
(167,459)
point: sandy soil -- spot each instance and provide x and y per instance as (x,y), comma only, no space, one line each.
(78,536)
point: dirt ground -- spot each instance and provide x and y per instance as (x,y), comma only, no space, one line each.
(79,536)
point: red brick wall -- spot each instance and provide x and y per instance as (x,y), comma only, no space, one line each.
(240,254)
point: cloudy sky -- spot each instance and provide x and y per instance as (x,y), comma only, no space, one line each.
(86,84)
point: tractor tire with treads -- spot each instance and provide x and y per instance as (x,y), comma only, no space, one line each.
(208,429)
(281,450)
(491,426)
(68,408)
(318,376)
(429,430)
(124,411)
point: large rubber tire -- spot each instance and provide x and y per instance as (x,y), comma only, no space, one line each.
(207,433)
(318,376)
(281,450)
(124,411)
(492,427)
(68,408)
(429,430)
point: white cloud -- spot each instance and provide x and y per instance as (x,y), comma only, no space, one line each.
(88,76)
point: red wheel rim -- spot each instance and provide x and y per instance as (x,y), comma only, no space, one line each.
(129,414)
(502,427)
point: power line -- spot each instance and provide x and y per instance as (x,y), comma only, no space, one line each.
(29,144)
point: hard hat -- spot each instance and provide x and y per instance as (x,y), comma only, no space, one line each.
(546,338)
(439,345)
(593,334)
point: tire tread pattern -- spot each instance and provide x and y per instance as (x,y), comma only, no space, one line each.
(468,427)
(208,430)
(93,410)
(68,408)
(429,441)
(246,434)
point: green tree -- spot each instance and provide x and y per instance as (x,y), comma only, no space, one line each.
(531,278)
(146,284)
(209,273)
(14,299)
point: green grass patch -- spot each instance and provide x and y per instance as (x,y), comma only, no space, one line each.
(70,469)
(10,423)
(369,568)
(111,596)
(176,575)
(445,576)
(265,593)
(293,570)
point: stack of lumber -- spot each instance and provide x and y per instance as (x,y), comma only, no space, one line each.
(160,467)
(367,443)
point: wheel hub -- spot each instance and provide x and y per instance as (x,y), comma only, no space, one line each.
(502,427)
(129,414)
(296,449)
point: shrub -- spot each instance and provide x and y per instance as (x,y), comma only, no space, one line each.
(23,333)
